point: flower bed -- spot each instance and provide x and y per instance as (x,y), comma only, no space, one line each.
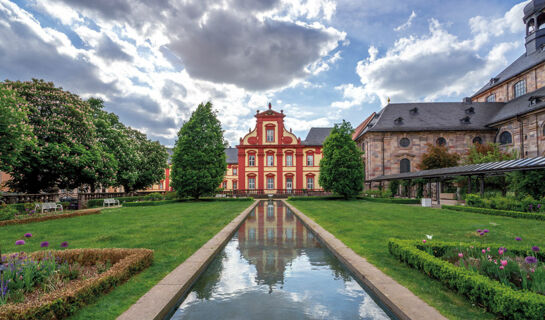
(526,204)
(54,284)
(49,216)
(509,282)
(495,212)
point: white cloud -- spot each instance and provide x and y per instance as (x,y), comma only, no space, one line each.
(407,23)
(435,65)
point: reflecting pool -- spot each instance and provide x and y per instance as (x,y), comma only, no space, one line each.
(274,268)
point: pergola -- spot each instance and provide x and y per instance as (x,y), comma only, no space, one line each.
(480,170)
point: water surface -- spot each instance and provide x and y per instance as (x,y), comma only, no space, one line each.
(274,268)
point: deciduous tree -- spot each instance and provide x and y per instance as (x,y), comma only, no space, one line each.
(341,168)
(198,163)
(438,157)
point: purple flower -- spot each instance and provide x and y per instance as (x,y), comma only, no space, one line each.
(485,230)
(64,244)
(44,244)
(19,242)
(482,233)
(539,206)
(479,231)
(28,235)
(531,260)
(535,248)
(518,238)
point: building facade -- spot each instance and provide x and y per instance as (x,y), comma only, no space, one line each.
(272,159)
(508,110)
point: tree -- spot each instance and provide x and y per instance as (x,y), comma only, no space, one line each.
(15,131)
(64,154)
(483,153)
(341,168)
(438,157)
(152,161)
(198,163)
(530,182)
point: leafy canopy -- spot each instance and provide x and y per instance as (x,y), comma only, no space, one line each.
(438,157)
(199,162)
(341,168)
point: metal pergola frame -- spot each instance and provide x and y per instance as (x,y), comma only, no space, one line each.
(481,170)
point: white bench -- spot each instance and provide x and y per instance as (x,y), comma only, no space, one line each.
(48,206)
(108,202)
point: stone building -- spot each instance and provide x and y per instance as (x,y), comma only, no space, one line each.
(509,110)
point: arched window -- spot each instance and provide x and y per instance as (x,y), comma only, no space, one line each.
(531,26)
(541,21)
(404,165)
(491,98)
(441,141)
(505,138)
(519,88)
(478,140)
(404,142)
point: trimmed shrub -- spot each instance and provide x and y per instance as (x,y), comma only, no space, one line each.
(148,203)
(62,303)
(495,212)
(154,197)
(40,218)
(495,296)
(392,200)
(7,212)
(526,204)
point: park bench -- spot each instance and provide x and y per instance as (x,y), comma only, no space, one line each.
(48,206)
(108,202)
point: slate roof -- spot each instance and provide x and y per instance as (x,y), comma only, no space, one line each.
(434,116)
(520,106)
(523,63)
(362,126)
(232,155)
(316,136)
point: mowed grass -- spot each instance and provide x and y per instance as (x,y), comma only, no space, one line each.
(366,227)
(173,231)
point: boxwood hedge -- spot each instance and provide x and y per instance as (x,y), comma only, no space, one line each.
(493,295)
(496,212)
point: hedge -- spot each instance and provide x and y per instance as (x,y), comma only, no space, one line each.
(148,203)
(60,304)
(94,203)
(496,212)
(382,200)
(51,217)
(495,296)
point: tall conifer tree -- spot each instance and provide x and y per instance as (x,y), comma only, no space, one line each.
(198,163)
(341,169)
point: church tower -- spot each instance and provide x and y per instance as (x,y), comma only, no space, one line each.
(534,19)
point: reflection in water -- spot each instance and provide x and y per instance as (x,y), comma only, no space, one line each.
(274,268)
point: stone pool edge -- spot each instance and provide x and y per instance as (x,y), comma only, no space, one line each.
(400,300)
(159,301)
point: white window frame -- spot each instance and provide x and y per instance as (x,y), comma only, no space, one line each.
(310,186)
(270,160)
(235,185)
(311,158)
(251,183)
(251,160)
(270,135)
(289,160)
(234,171)
(519,87)
(270,183)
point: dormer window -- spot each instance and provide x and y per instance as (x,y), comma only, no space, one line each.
(465,120)
(398,121)
(470,110)
(493,80)
(413,111)
(491,98)
(530,27)
(535,100)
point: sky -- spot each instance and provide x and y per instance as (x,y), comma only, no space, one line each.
(320,61)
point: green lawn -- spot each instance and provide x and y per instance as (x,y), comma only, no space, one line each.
(366,226)
(173,231)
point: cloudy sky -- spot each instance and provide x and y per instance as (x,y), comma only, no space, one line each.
(154,61)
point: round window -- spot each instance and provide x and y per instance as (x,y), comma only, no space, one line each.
(441,141)
(477,140)
(505,138)
(404,142)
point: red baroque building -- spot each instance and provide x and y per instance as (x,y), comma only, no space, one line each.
(272,159)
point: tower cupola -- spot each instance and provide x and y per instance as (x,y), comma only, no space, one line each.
(534,19)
